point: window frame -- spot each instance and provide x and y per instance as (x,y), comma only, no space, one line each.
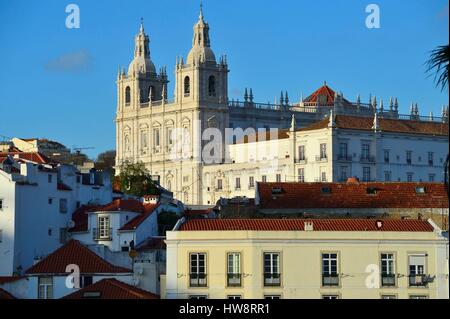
(330,273)
(198,274)
(234,272)
(390,273)
(272,275)
(45,286)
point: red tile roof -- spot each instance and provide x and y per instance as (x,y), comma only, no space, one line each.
(324,90)
(135,222)
(80,217)
(111,289)
(386,125)
(74,252)
(4,295)
(8,279)
(352,195)
(398,225)
(29,156)
(129,205)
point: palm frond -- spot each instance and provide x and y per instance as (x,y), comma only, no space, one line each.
(438,65)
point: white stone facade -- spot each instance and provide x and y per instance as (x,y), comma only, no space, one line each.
(168,135)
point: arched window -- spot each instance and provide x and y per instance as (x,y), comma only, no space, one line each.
(187,85)
(212,86)
(128,95)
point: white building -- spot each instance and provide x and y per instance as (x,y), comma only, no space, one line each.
(332,150)
(167,134)
(36,202)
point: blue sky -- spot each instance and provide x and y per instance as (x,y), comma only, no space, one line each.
(59,83)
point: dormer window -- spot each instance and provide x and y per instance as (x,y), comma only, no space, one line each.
(276,190)
(420,190)
(326,190)
(371,191)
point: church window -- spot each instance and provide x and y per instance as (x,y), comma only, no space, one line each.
(144,140)
(128,95)
(156,140)
(187,86)
(212,86)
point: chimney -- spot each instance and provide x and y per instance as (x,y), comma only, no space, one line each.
(309,226)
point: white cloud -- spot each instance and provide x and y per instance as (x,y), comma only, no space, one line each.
(78,61)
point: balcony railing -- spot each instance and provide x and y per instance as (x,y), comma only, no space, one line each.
(387,280)
(321,158)
(345,158)
(234,280)
(367,159)
(302,160)
(330,279)
(418,280)
(272,279)
(102,234)
(197,280)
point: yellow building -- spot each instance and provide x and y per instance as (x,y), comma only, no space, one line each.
(306,259)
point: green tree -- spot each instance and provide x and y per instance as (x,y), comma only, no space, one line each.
(438,65)
(136,180)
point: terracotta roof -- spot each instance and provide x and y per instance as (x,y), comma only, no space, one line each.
(29,156)
(8,279)
(80,217)
(129,205)
(74,252)
(386,125)
(324,90)
(398,225)
(351,195)
(4,295)
(135,222)
(111,289)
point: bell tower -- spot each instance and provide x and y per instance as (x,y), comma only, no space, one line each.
(141,83)
(201,79)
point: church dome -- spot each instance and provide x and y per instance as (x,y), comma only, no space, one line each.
(201,53)
(142,65)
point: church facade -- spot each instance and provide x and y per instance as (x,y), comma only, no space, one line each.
(170,135)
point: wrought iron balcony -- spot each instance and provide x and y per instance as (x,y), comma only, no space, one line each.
(272,279)
(234,280)
(330,279)
(344,158)
(302,160)
(197,280)
(102,234)
(367,159)
(418,280)
(388,280)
